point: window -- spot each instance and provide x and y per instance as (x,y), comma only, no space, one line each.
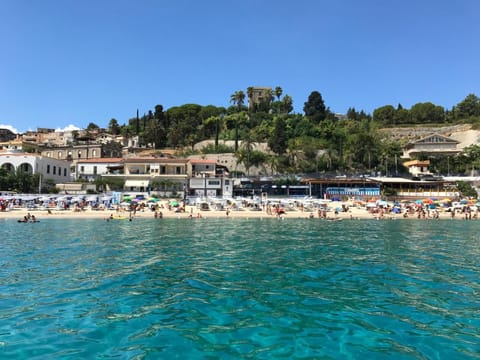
(59,154)
(94,153)
(162,170)
(214,182)
(95,170)
(79,154)
(179,170)
(48,169)
(82,169)
(54,170)
(65,172)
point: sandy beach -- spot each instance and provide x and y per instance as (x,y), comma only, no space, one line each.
(193,212)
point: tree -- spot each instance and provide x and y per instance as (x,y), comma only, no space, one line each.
(92,127)
(238,99)
(466,189)
(422,113)
(278,92)
(315,108)
(384,115)
(278,140)
(113,127)
(287,104)
(469,107)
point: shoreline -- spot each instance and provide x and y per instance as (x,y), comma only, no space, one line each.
(353,213)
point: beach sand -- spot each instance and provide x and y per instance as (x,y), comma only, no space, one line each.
(193,212)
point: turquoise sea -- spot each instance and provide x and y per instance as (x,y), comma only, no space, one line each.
(240,289)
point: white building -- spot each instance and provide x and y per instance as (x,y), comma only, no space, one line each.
(56,170)
(91,169)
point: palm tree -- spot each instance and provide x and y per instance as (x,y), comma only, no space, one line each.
(238,98)
(278,92)
(287,104)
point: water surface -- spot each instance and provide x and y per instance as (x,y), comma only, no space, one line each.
(237,288)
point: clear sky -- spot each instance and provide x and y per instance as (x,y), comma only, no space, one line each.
(72,62)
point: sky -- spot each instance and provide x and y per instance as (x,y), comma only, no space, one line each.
(69,63)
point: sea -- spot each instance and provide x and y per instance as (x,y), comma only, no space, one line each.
(239,289)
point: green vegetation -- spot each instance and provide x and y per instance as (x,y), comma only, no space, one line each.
(316,141)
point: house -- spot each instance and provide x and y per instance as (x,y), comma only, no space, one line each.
(48,168)
(207,179)
(91,169)
(434,144)
(417,167)
(145,174)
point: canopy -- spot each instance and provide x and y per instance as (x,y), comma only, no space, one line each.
(136,183)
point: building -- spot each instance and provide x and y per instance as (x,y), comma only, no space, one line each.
(6,135)
(259,95)
(92,169)
(53,169)
(417,167)
(208,179)
(432,145)
(146,174)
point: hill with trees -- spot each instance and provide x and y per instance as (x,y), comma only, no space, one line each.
(313,142)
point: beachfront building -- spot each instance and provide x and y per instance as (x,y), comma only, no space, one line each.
(151,174)
(431,145)
(92,169)
(367,188)
(53,169)
(414,189)
(343,187)
(417,167)
(208,179)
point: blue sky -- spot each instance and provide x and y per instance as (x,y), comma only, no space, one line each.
(72,62)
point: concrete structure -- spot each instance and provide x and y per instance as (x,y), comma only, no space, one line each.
(153,174)
(258,95)
(417,167)
(6,135)
(56,170)
(434,144)
(207,179)
(91,169)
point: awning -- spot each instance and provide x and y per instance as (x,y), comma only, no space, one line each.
(137,183)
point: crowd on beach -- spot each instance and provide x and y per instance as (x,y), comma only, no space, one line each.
(425,209)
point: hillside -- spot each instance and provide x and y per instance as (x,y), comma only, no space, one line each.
(464,133)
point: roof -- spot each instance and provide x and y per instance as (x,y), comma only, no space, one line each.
(150,160)
(417,163)
(435,139)
(202,161)
(100,160)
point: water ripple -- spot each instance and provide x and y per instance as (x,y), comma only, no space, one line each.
(240,289)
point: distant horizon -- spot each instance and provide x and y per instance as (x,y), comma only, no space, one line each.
(75,63)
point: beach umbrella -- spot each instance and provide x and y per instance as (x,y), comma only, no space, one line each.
(174,203)
(127,198)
